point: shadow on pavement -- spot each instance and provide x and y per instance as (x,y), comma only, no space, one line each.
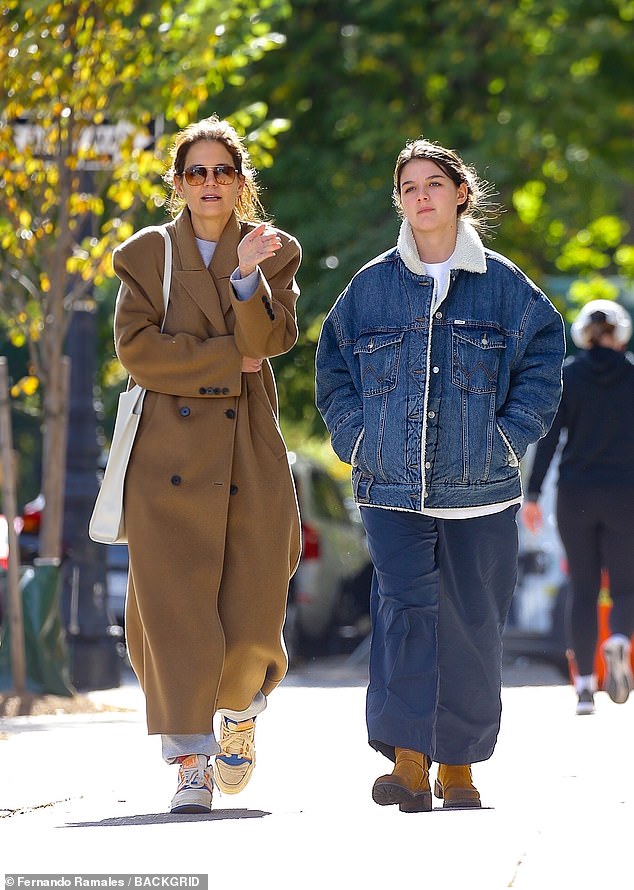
(167,818)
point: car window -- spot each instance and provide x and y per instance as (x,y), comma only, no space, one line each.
(328,500)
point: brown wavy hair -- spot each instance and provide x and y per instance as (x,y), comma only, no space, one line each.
(248,205)
(477,208)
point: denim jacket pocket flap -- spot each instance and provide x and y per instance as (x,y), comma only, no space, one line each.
(475,359)
(379,356)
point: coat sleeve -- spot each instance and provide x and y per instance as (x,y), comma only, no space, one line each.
(178,364)
(337,389)
(535,384)
(266,323)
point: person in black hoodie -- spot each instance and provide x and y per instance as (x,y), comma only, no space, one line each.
(595,492)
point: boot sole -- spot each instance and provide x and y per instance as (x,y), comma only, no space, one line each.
(458,803)
(390,794)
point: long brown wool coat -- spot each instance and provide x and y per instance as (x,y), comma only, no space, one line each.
(210,506)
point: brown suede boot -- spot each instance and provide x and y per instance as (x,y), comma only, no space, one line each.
(407,785)
(454,786)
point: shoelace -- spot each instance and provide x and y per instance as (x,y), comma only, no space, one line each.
(195,777)
(238,741)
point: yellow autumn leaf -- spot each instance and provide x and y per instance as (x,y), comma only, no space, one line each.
(125,230)
(29,385)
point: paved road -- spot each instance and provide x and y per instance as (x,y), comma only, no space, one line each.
(88,794)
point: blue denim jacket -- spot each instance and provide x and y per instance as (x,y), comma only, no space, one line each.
(434,405)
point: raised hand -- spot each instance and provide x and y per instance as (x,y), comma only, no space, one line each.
(260,244)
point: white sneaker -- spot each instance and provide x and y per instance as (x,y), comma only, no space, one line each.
(235,763)
(585,702)
(195,786)
(618,681)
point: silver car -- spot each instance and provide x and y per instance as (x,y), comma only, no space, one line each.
(329,594)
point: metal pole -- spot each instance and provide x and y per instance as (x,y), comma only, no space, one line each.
(16,620)
(94,642)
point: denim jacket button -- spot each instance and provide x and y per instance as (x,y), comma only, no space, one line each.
(438,315)
(435,370)
(431,414)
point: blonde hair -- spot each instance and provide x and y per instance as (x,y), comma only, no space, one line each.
(248,205)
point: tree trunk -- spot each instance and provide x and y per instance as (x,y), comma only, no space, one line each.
(14,604)
(54,457)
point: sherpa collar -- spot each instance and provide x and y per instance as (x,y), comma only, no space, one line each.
(468,254)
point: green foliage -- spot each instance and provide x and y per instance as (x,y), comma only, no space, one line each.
(537,95)
(91,95)
(78,168)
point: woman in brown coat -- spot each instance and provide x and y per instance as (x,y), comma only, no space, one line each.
(210,506)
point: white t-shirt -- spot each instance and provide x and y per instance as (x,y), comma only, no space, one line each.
(440,273)
(244,287)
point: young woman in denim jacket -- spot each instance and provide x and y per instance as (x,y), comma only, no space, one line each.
(436,367)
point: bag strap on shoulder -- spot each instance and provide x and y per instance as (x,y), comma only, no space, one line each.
(167,273)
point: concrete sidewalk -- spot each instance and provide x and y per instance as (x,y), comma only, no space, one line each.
(89,794)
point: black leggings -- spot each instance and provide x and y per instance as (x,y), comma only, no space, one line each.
(596,526)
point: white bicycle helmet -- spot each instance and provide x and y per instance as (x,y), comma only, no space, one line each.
(606,311)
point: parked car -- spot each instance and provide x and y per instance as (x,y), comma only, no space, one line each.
(329,593)
(116,558)
(116,582)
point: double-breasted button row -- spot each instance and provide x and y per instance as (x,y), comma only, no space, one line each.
(185,411)
(176,480)
(267,306)
(213,390)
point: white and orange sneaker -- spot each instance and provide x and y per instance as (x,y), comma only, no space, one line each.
(235,763)
(195,786)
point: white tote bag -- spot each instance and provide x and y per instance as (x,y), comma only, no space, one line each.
(107,524)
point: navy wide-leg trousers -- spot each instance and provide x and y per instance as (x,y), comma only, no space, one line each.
(440,595)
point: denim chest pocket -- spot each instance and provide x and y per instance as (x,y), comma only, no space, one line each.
(475,359)
(379,357)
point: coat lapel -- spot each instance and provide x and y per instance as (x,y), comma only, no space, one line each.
(209,291)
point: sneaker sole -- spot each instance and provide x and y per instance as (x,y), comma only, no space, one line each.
(190,802)
(391,794)
(584,710)
(234,788)
(618,682)
(190,808)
